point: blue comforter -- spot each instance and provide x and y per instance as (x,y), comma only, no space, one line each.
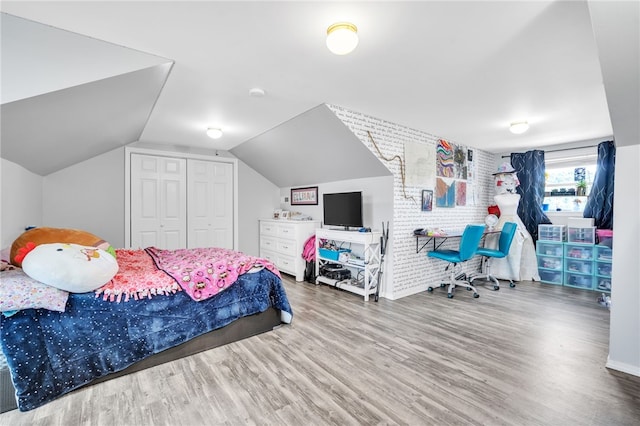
(52,353)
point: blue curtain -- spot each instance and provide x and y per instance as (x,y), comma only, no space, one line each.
(600,202)
(530,170)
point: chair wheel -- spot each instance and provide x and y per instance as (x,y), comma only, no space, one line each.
(450,295)
(442,285)
(496,287)
(468,288)
(429,289)
(512,285)
(476,295)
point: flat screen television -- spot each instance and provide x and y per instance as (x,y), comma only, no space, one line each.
(343,209)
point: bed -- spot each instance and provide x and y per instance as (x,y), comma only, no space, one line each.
(107,333)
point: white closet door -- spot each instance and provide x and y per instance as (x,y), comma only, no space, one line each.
(210,204)
(158,202)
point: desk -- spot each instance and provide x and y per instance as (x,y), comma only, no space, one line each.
(438,240)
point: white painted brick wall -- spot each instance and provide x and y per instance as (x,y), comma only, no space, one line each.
(413,272)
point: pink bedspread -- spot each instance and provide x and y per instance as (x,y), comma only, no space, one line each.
(205,272)
(137,277)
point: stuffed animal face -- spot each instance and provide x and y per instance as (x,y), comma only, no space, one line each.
(71,267)
(34,237)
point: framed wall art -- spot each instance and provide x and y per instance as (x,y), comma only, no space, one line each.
(427,200)
(304,196)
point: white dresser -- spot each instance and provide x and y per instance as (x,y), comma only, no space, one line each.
(281,241)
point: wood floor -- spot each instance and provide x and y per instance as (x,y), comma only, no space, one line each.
(533,355)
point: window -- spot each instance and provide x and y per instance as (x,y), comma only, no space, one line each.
(564,169)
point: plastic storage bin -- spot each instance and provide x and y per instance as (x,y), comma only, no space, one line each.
(604,253)
(603,256)
(603,284)
(579,251)
(548,248)
(585,235)
(605,237)
(552,233)
(578,280)
(331,254)
(550,277)
(578,266)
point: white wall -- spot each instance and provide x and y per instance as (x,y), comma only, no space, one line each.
(257,199)
(624,341)
(88,196)
(21,201)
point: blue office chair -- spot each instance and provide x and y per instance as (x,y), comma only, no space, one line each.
(504,244)
(468,246)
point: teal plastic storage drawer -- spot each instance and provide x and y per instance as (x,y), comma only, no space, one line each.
(578,265)
(549,248)
(578,280)
(579,251)
(604,253)
(550,277)
(603,284)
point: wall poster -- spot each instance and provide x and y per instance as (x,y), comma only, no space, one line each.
(420,164)
(445,193)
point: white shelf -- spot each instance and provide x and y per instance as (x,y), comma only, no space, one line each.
(345,285)
(369,242)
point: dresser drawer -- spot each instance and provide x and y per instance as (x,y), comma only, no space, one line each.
(286,231)
(268,243)
(267,228)
(286,264)
(287,247)
(270,256)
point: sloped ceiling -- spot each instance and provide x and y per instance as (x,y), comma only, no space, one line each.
(67,97)
(314,147)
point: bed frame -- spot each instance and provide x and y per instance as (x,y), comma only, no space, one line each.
(237,330)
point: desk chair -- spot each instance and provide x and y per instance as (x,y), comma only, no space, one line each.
(468,246)
(504,244)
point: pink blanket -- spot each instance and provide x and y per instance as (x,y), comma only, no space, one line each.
(205,272)
(137,277)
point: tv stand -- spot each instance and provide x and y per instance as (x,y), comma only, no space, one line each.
(368,243)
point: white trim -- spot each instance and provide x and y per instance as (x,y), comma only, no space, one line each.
(128,150)
(623,367)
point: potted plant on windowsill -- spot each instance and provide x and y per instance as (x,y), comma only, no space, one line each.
(581,188)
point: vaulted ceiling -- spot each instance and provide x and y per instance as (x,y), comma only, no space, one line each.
(80,77)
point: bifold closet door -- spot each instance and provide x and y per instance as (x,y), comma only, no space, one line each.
(158,202)
(210,204)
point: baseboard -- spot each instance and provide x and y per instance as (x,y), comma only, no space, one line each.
(623,367)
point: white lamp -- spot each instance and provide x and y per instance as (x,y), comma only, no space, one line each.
(342,38)
(214,132)
(519,127)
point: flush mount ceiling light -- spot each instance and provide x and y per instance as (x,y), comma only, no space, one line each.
(519,127)
(342,38)
(214,132)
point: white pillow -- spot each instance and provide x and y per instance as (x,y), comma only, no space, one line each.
(70,267)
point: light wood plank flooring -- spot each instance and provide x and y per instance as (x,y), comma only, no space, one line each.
(533,355)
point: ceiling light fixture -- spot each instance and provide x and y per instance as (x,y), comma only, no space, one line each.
(519,127)
(214,132)
(342,38)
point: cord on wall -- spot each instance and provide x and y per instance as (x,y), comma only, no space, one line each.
(404,193)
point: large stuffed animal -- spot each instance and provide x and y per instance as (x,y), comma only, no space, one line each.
(36,236)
